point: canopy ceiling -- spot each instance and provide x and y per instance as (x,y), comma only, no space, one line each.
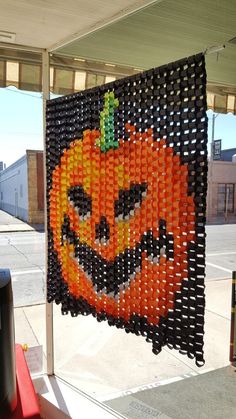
(167,31)
(46,24)
(132,35)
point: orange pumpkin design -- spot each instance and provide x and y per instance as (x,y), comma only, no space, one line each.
(122,219)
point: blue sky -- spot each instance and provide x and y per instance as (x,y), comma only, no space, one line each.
(21,124)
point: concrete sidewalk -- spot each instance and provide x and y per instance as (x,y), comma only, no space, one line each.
(208,396)
(121,371)
(8,223)
(112,364)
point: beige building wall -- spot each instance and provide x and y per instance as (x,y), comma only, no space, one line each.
(220,172)
(35,184)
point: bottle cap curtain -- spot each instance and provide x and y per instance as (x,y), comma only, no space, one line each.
(126,195)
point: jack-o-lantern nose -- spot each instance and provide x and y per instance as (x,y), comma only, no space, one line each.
(102,230)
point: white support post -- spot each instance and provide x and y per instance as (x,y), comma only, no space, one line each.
(49,307)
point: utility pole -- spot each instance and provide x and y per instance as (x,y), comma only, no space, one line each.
(214,116)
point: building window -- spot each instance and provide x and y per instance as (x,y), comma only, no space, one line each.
(1,196)
(225,198)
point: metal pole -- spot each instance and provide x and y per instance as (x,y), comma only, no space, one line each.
(226,203)
(213,127)
(49,307)
(232,354)
(213,133)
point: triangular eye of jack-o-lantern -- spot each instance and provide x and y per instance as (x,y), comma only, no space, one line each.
(126,213)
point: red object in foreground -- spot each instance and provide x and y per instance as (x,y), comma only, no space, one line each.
(232,353)
(27,402)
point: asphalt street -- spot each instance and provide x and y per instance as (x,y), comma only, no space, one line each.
(24,254)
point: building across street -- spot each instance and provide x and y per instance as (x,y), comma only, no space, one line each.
(221,197)
(21,188)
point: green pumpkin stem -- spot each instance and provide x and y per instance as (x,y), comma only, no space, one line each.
(107,138)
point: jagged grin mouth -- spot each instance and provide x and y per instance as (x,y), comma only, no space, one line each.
(113,277)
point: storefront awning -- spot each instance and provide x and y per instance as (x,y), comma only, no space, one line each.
(68,75)
(221,99)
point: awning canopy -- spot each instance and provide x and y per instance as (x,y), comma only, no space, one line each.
(68,75)
(221,99)
(91,46)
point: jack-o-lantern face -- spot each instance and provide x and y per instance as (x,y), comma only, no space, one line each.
(122,219)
